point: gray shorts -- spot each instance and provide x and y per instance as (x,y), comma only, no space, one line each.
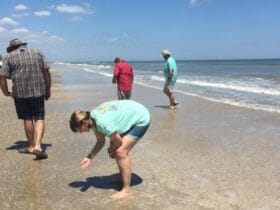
(168,87)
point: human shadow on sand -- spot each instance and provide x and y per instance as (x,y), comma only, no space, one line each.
(105,182)
(23,143)
(162,106)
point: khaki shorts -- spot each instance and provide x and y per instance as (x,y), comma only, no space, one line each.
(168,87)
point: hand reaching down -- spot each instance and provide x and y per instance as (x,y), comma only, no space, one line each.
(85,163)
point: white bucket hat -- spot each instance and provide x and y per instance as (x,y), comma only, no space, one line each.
(165,52)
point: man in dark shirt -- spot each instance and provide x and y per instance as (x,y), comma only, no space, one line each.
(29,71)
(123,76)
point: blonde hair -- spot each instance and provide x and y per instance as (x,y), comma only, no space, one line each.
(77,118)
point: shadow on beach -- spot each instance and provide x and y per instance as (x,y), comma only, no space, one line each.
(23,143)
(162,106)
(105,182)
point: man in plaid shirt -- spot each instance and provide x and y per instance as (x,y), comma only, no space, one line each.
(29,71)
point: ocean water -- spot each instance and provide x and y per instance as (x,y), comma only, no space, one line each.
(253,84)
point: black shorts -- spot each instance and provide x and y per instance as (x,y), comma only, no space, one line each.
(30,108)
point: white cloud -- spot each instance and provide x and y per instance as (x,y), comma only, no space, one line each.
(32,36)
(20,15)
(36,39)
(192,2)
(20,7)
(43,38)
(2,30)
(42,13)
(74,9)
(20,31)
(55,38)
(8,21)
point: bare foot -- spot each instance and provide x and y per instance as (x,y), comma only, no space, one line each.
(121,194)
(171,107)
(37,149)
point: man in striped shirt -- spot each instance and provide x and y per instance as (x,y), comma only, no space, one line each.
(29,71)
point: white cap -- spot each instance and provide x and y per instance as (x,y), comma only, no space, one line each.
(165,52)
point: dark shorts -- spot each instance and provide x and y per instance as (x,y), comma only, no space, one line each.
(137,132)
(124,94)
(30,108)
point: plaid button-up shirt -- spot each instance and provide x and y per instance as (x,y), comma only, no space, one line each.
(26,68)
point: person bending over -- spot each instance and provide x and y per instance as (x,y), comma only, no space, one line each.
(125,122)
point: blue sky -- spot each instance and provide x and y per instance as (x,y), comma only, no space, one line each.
(73,30)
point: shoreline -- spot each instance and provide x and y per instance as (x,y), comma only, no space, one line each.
(241,94)
(203,155)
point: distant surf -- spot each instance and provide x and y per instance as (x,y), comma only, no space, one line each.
(253,84)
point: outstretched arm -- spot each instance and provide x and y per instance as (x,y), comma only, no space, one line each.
(97,147)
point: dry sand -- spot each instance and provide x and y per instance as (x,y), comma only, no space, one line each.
(204,155)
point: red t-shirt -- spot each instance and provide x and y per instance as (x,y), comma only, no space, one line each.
(123,72)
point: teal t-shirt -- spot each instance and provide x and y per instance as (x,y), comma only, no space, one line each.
(170,64)
(119,116)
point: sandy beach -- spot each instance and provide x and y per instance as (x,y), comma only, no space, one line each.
(204,155)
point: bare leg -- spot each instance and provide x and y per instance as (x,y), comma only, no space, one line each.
(172,100)
(29,132)
(124,165)
(39,133)
(171,97)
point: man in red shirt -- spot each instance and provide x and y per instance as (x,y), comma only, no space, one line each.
(123,76)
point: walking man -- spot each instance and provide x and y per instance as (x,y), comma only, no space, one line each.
(29,71)
(123,76)
(170,74)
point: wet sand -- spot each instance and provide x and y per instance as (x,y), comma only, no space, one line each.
(203,155)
